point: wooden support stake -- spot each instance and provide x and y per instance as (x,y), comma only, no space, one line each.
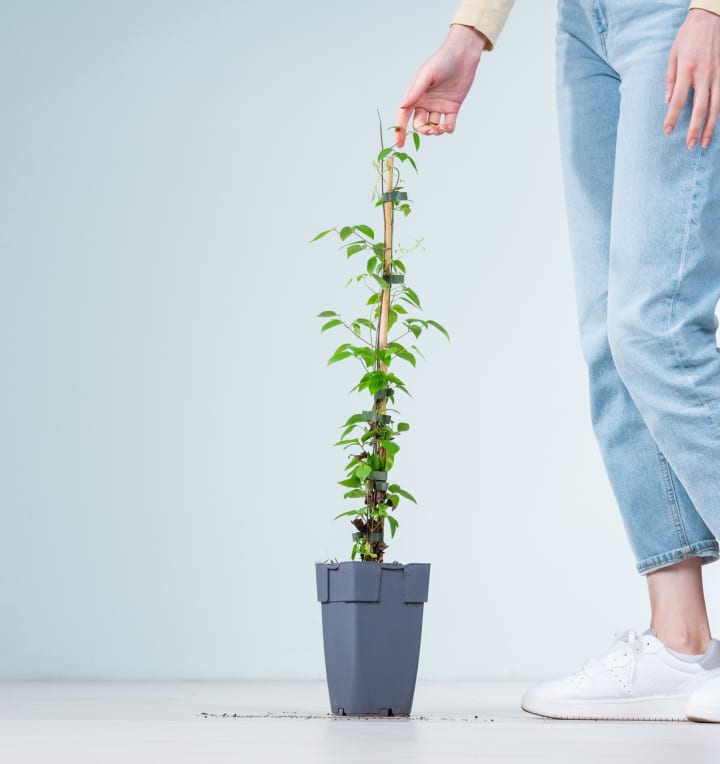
(388,214)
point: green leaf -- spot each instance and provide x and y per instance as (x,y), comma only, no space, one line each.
(330,324)
(384,356)
(372,264)
(391,520)
(365,229)
(327,314)
(383,284)
(347,431)
(416,330)
(349,513)
(338,356)
(321,234)
(402,427)
(366,323)
(366,354)
(392,317)
(412,296)
(351,482)
(372,300)
(353,249)
(345,232)
(383,154)
(440,328)
(406,356)
(375,380)
(390,446)
(356,493)
(396,489)
(416,140)
(362,471)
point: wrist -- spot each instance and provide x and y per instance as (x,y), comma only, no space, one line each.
(468,38)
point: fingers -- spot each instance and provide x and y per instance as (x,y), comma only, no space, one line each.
(422,117)
(433,122)
(449,124)
(701,103)
(671,75)
(679,96)
(713,113)
(401,122)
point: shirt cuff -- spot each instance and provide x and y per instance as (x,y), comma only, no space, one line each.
(490,21)
(708,5)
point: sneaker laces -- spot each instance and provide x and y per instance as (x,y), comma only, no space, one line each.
(626,644)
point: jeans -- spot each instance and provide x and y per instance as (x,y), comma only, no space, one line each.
(644,226)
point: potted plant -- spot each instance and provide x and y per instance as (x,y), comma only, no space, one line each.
(372,610)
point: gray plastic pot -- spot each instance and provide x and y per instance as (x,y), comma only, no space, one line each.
(372,621)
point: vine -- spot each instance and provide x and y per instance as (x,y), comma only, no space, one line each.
(391,305)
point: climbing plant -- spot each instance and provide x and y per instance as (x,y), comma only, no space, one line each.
(385,335)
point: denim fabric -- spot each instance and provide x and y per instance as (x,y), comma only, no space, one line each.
(644,225)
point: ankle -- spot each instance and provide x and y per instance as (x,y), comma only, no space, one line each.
(684,640)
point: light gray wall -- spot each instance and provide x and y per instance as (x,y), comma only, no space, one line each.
(166,417)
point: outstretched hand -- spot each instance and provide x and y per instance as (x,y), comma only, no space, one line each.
(695,62)
(441,84)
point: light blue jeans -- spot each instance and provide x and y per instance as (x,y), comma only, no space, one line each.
(644,224)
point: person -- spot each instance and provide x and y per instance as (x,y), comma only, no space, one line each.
(638,99)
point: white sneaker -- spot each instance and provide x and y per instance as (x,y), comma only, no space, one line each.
(704,704)
(637,677)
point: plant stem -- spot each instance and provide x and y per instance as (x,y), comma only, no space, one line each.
(382,341)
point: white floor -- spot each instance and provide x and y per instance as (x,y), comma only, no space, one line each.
(208,722)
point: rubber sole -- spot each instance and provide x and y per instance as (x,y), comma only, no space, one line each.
(656,709)
(700,713)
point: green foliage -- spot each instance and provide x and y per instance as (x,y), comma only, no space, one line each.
(372,433)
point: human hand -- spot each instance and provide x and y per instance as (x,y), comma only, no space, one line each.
(695,62)
(441,84)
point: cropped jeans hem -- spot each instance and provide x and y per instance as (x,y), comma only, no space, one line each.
(707,549)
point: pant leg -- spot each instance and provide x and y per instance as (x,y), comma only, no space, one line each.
(664,270)
(661,522)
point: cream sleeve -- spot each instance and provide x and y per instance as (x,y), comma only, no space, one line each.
(708,5)
(488,16)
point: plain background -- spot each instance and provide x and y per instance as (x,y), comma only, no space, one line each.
(167,479)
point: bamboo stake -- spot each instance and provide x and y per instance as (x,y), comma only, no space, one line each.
(388,210)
